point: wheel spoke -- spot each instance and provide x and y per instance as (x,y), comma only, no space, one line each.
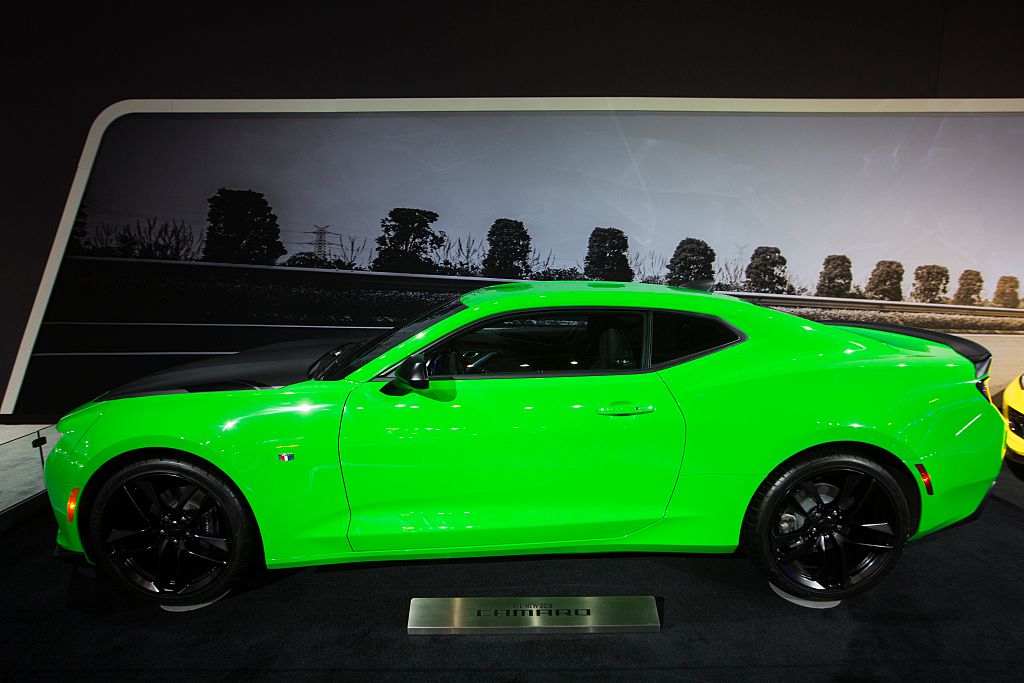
(185,494)
(850,484)
(132,544)
(832,571)
(858,504)
(163,580)
(206,505)
(801,549)
(207,558)
(147,489)
(213,541)
(811,490)
(147,516)
(117,535)
(837,562)
(178,585)
(819,548)
(879,536)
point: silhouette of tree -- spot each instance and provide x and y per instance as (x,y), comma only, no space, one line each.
(1007,292)
(351,253)
(836,277)
(607,257)
(729,272)
(406,242)
(766,271)
(559,274)
(536,262)
(113,241)
(242,228)
(968,290)
(165,242)
(307,259)
(650,268)
(693,260)
(508,250)
(462,257)
(886,282)
(78,243)
(930,284)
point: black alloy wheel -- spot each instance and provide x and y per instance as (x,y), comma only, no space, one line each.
(828,527)
(171,532)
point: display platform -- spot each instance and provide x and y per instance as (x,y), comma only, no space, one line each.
(951,610)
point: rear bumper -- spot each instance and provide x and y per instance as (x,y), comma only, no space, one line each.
(966,520)
(977,513)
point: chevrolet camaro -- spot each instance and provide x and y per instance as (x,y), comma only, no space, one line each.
(527,418)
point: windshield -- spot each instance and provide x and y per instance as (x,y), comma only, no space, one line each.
(349,357)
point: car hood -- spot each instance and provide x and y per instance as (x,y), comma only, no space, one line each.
(265,367)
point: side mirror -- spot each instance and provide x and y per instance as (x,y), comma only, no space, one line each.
(412,372)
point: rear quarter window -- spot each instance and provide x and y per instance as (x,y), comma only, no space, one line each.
(676,336)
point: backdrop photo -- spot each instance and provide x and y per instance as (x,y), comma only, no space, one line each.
(203,234)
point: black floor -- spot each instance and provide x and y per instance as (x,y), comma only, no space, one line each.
(952,610)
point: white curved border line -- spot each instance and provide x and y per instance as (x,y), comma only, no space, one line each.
(340,106)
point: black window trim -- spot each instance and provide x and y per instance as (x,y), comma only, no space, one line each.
(648,338)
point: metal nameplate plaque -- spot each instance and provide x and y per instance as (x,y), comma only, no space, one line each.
(600,614)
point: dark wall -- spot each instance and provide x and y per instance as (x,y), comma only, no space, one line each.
(62,67)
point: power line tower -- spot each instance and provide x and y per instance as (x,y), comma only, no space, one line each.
(320,241)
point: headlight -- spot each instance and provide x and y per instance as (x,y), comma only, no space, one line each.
(1020,380)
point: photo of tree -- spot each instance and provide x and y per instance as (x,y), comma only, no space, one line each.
(219,233)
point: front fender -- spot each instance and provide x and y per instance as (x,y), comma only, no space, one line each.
(298,502)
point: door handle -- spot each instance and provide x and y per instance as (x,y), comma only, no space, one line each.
(620,408)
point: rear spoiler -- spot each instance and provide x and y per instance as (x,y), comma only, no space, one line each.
(972,351)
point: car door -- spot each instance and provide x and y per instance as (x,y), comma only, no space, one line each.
(538,427)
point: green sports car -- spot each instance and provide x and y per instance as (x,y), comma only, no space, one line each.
(528,418)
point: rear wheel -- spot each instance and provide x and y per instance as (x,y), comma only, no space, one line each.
(171,532)
(827,527)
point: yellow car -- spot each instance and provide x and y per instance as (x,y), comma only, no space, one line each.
(1013,409)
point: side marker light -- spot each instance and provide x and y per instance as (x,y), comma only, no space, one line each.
(926,479)
(72,505)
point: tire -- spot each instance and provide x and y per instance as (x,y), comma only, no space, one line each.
(171,532)
(828,526)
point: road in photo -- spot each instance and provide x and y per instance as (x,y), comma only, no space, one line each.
(1007,357)
(22,468)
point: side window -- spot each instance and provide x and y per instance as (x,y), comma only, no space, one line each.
(540,343)
(677,335)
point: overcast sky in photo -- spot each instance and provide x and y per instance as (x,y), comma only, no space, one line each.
(918,189)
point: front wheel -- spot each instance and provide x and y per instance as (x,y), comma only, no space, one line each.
(827,527)
(171,532)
